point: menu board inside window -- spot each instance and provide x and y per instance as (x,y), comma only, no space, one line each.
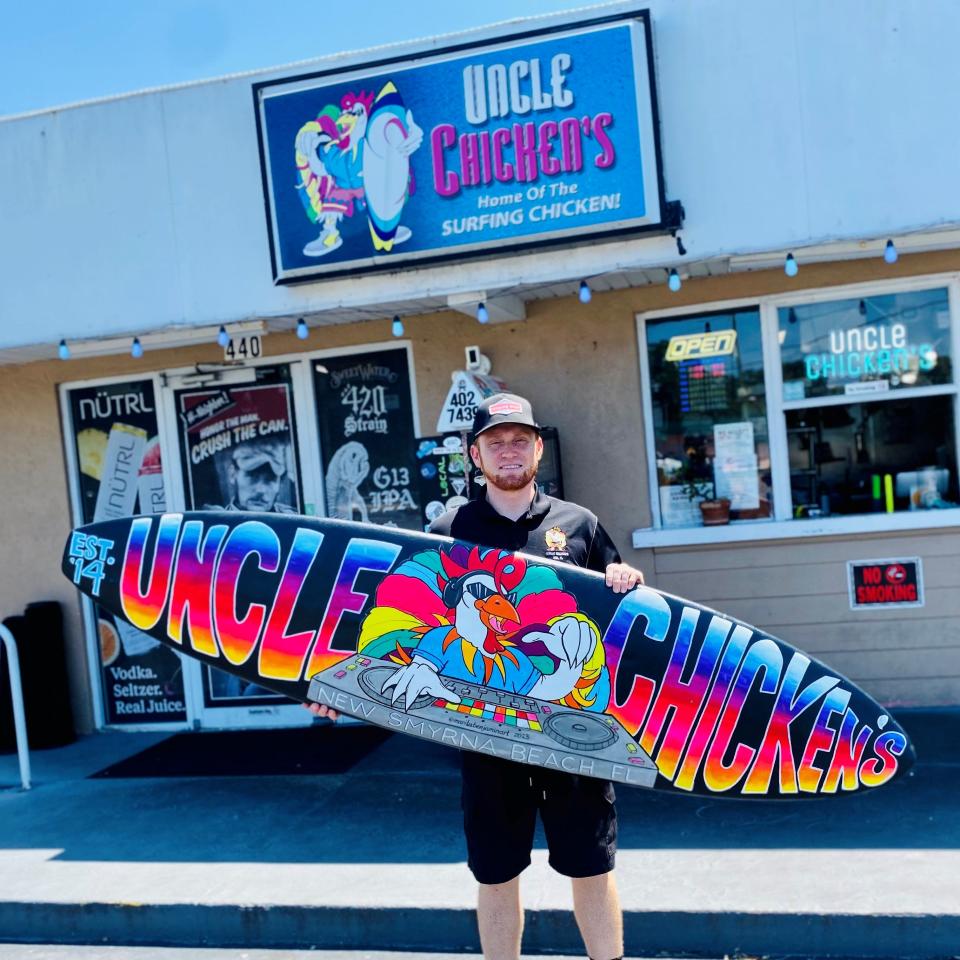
(865,346)
(709,412)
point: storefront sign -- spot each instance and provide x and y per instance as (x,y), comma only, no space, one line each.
(367,445)
(878,350)
(862,347)
(120,473)
(538,137)
(885,583)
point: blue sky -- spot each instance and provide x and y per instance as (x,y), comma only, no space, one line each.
(55,52)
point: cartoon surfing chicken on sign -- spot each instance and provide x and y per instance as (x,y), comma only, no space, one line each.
(484,616)
(358,155)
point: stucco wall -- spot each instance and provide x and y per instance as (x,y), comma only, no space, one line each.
(579,366)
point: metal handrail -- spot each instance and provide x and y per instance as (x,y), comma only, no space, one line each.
(16,694)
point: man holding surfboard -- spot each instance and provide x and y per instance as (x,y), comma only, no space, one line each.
(501,799)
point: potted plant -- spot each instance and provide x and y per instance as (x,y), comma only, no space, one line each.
(697,485)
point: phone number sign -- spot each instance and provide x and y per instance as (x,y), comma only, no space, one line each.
(885,583)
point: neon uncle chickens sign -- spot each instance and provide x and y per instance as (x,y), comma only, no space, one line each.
(543,136)
(676,677)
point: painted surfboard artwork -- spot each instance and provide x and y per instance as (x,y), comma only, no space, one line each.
(480,649)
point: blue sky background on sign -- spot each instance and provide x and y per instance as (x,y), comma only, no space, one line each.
(57,52)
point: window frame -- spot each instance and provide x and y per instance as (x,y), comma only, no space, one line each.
(782,524)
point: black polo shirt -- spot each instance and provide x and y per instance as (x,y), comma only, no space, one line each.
(551,528)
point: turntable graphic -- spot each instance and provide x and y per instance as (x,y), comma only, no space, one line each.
(491,721)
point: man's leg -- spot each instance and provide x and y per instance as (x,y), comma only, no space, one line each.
(500,918)
(596,906)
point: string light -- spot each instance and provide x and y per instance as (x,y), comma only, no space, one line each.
(586,294)
(397,327)
(673,281)
(482,315)
(136,348)
(681,249)
(890,252)
(63,351)
(303,330)
(223,338)
(790,267)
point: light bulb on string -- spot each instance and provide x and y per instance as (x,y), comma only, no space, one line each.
(136,348)
(303,331)
(223,338)
(585,294)
(63,351)
(482,315)
(790,267)
(890,252)
(397,328)
(673,281)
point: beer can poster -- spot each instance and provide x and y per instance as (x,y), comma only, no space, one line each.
(120,473)
(238,452)
(882,584)
(367,443)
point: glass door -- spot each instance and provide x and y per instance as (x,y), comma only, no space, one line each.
(239,450)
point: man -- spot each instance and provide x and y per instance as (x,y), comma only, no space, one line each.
(255,471)
(501,799)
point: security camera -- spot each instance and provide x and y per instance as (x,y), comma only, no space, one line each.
(476,361)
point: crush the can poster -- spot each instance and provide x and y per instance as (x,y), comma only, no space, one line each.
(504,144)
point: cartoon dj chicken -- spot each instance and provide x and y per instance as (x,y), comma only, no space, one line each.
(486,618)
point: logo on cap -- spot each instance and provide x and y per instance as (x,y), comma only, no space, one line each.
(505,406)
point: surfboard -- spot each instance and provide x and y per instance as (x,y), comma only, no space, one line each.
(532,660)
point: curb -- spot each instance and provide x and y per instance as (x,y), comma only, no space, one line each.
(694,934)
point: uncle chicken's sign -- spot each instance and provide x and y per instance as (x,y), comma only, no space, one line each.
(536,137)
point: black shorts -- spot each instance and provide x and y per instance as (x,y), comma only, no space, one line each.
(500,803)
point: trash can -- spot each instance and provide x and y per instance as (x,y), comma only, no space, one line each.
(43,674)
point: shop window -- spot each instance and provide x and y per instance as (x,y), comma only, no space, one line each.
(872,457)
(865,346)
(865,412)
(891,450)
(709,415)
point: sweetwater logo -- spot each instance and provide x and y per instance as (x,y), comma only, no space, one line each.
(90,557)
(556,544)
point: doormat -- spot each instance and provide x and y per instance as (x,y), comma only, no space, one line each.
(302,751)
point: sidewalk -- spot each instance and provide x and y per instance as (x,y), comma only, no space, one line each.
(374,859)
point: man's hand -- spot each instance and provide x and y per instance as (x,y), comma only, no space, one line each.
(416,678)
(621,577)
(321,710)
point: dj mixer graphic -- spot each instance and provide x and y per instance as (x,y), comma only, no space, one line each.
(490,721)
